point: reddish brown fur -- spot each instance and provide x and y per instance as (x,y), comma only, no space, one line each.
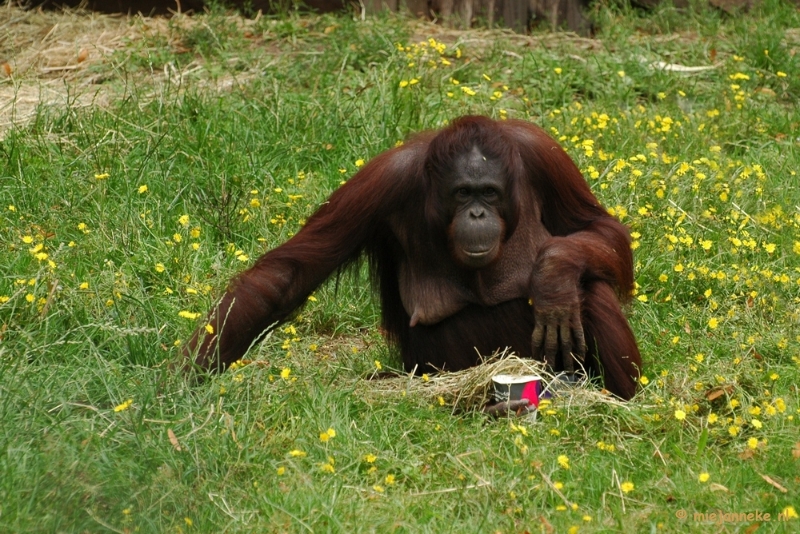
(391,210)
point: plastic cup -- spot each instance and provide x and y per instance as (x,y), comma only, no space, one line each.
(513,388)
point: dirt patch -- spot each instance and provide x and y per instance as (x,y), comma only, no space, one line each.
(75,58)
(52,59)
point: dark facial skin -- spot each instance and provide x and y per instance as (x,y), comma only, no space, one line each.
(475,196)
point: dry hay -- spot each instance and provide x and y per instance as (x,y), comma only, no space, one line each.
(50,58)
(68,58)
(472,388)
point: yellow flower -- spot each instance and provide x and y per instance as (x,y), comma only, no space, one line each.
(280,471)
(377,488)
(183,220)
(143,189)
(360,163)
(626,487)
(370,458)
(789,512)
(713,323)
(557,70)
(703,477)
(327,435)
(160,267)
(781,74)
(297,453)
(403,83)
(188,315)
(752,443)
(327,468)
(643,380)
(124,406)
(102,176)
(378,365)
(563,461)
(389,480)
(188,521)
(680,415)
(621,73)
(285,372)
(712,418)
(209,329)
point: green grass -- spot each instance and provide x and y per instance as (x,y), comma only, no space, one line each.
(116,218)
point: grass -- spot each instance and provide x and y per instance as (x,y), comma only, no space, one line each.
(144,177)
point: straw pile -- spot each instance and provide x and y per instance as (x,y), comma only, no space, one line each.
(471,389)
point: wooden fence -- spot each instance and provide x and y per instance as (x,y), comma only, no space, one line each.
(514,14)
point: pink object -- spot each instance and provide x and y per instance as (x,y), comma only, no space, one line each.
(531,392)
(512,388)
